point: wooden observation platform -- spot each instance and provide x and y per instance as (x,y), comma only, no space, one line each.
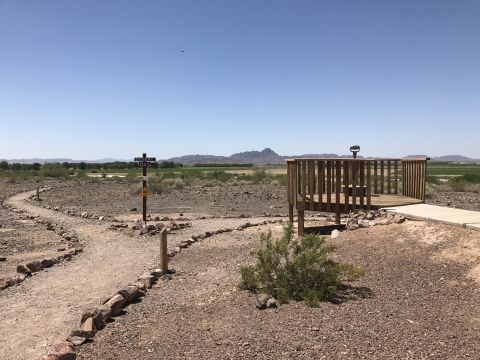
(343,185)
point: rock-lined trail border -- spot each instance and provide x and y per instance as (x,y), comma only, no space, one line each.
(36,313)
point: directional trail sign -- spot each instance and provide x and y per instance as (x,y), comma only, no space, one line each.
(144,192)
(144,162)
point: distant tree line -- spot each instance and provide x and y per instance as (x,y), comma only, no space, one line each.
(4,165)
(117,165)
(169,165)
(223,165)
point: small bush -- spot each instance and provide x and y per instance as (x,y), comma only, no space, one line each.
(433,180)
(133,177)
(297,269)
(81,174)
(457,184)
(93,179)
(212,183)
(172,184)
(136,189)
(54,170)
(258,175)
(157,184)
(430,190)
(168,175)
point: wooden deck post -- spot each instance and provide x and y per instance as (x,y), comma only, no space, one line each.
(290,213)
(301,222)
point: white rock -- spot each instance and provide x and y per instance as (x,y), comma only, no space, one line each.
(335,234)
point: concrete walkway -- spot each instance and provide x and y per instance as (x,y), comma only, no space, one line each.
(464,218)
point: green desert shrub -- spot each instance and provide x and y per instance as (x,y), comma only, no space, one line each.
(430,190)
(133,177)
(258,175)
(297,269)
(431,179)
(467,182)
(136,189)
(157,184)
(81,174)
(53,170)
(172,184)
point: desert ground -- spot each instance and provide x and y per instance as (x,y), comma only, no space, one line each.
(418,300)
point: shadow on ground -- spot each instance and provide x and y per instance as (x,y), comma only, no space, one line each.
(351,293)
(323,230)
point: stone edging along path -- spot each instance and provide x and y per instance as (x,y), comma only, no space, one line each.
(60,348)
(70,249)
(96,317)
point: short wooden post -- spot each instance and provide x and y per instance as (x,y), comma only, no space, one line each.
(38,193)
(163,251)
(301,222)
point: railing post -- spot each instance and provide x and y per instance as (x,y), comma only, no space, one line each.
(354,185)
(346,191)
(369,186)
(311,183)
(389,174)
(362,184)
(329,185)
(382,177)
(321,180)
(304,184)
(338,183)
(396,176)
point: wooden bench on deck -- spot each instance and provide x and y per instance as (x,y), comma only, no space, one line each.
(319,184)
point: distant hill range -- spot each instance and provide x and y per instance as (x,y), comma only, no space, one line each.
(455,158)
(264,157)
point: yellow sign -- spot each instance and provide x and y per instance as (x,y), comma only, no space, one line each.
(144,192)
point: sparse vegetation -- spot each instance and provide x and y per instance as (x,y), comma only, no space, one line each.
(81,174)
(298,269)
(54,170)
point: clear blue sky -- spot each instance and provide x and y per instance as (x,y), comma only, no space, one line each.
(96,79)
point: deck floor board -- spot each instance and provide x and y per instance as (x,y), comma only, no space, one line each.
(377,200)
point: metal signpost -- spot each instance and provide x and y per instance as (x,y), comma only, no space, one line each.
(144,162)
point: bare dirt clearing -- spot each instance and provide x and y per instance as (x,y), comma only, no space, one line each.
(418,299)
(117,199)
(413,303)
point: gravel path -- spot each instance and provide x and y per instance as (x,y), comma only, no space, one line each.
(49,305)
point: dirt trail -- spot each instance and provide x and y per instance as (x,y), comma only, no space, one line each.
(49,305)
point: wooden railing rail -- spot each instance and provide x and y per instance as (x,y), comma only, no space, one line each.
(414,178)
(317,184)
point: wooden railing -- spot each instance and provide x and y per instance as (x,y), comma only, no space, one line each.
(317,184)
